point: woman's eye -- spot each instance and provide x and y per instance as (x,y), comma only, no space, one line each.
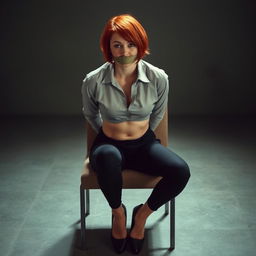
(131,45)
(117,45)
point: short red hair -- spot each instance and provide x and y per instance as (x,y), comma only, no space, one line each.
(130,29)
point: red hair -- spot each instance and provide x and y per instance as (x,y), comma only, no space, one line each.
(130,29)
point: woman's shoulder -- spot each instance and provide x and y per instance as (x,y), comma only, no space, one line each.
(152,71)
(98,73)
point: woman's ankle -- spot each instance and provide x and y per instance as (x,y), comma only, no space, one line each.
(144,212)
(118,212)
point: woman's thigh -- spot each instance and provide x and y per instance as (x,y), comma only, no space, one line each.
(156,159)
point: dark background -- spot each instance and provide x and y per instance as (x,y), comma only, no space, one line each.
(206,47)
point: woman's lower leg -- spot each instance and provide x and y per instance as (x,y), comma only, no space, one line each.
(119,223)
(140,221)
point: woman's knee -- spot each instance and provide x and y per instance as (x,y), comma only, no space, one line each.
(185,171)
(105,155)
(179,172)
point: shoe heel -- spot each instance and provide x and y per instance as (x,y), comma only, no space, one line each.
(119,244)
(136,244)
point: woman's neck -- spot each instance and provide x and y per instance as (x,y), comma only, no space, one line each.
(125,71)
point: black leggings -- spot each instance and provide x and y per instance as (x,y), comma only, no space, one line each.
(108,157)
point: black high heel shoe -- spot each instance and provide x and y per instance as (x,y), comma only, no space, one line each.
(119,244)
(136,244)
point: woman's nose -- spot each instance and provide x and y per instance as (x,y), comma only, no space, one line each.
(125,50)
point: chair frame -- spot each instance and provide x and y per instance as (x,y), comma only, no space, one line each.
(85,192)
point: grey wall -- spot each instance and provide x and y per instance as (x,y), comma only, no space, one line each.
(206,47)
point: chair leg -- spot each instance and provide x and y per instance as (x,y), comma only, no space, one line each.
(87,196)
(166,211)
(172,224)
(82,212)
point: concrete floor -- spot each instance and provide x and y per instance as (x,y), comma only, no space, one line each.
(40,164)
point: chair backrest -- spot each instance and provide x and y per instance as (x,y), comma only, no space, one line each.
(161,132)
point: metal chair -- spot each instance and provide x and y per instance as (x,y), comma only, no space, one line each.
(131,180)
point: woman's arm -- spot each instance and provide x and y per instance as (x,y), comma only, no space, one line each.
(90,106)
(161,105)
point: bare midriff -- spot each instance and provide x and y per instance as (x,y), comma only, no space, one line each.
(129,130)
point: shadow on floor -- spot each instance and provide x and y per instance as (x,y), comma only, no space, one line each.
(98,243)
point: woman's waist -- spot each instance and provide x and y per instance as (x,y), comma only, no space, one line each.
(128,130)
(127,145)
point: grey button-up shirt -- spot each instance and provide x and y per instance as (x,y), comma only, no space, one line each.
(104,99)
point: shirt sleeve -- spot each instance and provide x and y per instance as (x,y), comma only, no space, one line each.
(161,104)
(90,106)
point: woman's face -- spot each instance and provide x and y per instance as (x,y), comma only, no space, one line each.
(120,47)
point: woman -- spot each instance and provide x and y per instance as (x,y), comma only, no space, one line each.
(124,100)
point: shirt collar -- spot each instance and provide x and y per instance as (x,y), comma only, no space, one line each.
(142,76)
(109,77)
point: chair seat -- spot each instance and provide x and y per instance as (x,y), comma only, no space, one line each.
(131,178)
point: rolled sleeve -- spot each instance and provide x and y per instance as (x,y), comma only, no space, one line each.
(161,105)
(90,107)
